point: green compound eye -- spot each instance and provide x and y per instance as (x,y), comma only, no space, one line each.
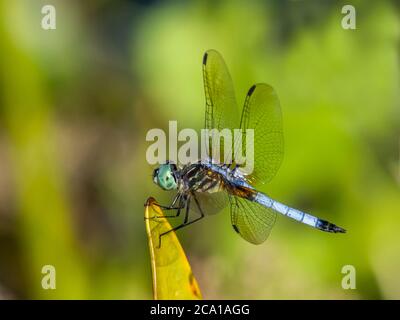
(165,178)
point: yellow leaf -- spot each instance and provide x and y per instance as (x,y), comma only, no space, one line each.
(172,275)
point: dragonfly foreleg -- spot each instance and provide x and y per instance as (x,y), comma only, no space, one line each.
(173,206)
(181,204)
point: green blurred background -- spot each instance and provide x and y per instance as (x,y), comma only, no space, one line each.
(77,102)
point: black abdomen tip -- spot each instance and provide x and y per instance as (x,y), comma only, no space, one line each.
(329,227)
(337,229)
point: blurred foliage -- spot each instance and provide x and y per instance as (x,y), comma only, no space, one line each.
(76,103)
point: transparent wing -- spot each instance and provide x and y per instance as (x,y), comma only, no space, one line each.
(262,113)
(251,220)
(210,203)
(221,108)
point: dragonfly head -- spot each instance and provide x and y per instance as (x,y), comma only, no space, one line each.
(166,177)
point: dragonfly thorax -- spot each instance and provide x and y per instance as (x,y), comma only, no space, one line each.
(198,177)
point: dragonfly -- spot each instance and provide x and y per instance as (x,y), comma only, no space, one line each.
(208,185)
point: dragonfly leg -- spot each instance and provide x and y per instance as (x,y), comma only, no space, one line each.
(187,211)
(172,206)
(198,206)
(173,203)
(185,223)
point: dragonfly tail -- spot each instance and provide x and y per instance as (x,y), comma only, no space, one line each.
(329,227)
(297,215)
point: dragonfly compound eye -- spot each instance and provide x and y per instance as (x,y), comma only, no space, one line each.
(166,179)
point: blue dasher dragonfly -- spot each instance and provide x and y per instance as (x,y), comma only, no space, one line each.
(207,186)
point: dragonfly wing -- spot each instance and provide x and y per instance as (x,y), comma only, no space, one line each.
(221,107)
(210,203)
(262,113)
(251,220)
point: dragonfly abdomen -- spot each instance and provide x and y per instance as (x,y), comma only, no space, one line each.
(297,215)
